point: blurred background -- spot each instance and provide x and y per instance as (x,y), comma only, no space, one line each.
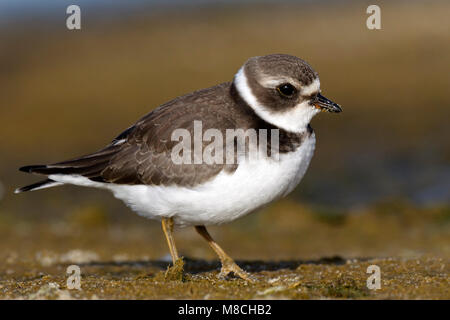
(378,184)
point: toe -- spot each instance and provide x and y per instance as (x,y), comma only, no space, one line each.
(233,268)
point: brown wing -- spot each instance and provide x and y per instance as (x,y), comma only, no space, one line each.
(145,157)
(142,153)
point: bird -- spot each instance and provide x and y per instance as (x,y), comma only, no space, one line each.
(277,93)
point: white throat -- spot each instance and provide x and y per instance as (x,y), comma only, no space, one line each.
(294,120)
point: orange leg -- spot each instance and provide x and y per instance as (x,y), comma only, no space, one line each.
(228,265)
(167,225)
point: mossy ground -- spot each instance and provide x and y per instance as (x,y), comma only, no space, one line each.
(121,262)
(419,278)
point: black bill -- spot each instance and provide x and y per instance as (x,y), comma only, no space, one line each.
(326,104)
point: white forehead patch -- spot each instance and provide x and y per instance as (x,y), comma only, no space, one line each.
(275,82)
(293,120)
(313,87)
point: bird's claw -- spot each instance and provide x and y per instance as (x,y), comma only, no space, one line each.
(230,267)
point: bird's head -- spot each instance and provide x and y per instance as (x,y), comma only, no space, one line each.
(283,90)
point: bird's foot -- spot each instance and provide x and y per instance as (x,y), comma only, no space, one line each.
(230,267)
(175,272)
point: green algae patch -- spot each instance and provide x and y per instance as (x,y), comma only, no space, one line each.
(175,272)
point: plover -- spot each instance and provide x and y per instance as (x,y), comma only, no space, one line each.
(274,92)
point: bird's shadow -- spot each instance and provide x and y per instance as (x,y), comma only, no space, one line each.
(195,266)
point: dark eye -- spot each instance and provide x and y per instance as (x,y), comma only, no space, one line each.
(286,89)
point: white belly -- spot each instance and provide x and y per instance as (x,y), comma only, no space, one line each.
(223,199)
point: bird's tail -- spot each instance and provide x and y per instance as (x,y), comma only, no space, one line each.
(89,166)
(47,183)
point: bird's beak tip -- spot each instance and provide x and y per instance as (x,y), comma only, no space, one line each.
(327,105)
(337,109)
